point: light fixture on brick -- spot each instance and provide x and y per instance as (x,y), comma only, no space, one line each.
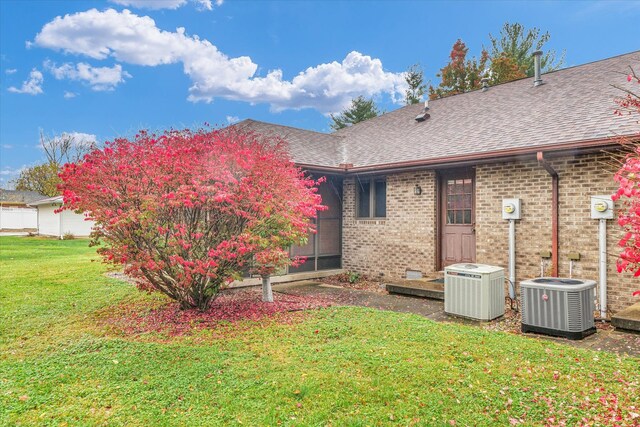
(417,190)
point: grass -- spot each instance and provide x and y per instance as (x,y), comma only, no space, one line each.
(335,366)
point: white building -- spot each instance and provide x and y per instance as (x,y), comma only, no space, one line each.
(51,223)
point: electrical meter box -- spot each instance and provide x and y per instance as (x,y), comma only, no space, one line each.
(511,209)
(601,207)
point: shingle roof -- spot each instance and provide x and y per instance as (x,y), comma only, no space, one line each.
(47,201)
(305,146)
(19,197)
(574,105)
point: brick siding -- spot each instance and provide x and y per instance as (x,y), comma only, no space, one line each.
(406,239)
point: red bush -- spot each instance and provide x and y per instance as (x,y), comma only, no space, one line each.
(628,178)
(187,211)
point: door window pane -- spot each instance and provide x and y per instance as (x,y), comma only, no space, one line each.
(459,199)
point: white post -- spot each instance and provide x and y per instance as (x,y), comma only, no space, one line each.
(512,257)
(267,293)
(603,267)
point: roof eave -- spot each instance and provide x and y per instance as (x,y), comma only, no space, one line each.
(440,162)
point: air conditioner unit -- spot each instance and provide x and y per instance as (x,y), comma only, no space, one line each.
(475,291)
(558,306)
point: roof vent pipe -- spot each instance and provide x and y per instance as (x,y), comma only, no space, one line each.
(537,57)
(424,115)
(485,84)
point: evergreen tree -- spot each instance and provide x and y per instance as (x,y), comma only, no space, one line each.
(415,79)
(360,110)
(512,53)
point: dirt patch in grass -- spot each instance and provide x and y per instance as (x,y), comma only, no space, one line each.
(230,308)
(363,283)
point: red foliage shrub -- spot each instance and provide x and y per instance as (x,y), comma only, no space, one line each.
(186,211)
(628,178)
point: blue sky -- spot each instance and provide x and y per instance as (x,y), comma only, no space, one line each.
(103,69)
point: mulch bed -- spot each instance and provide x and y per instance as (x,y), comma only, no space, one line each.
(364,283)
(230,307)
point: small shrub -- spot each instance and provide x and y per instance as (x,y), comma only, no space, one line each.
(353,277)
(68,236)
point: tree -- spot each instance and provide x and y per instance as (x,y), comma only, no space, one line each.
(460,75)
(42,179)
(512,53)
(628,179)
(185,212)
(415,80)
(360,110)
(59,150)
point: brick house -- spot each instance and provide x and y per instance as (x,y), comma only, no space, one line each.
(409,193)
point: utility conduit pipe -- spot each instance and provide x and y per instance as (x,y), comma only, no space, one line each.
(602,240)
(512,258)
(554,211)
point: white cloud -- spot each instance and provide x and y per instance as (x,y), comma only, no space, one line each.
(80,138)
(137,40)
(99,78)
(69,95)
(33,86)
(11,70)
(166,4)
(10,171)
(8,174)
(77,138)
(232,119)
(152,4)
(6,146)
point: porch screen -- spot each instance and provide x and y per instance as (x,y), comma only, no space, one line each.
(323,250)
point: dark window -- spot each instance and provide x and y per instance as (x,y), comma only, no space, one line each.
(364,199)
(372,198)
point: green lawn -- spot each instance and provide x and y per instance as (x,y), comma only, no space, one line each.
(337,366)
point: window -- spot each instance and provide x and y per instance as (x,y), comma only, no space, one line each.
(459,201)
(372,198)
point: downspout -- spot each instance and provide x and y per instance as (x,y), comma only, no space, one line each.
(554,211)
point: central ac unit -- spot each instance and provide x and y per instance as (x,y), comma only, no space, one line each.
(475,291)
(558,306)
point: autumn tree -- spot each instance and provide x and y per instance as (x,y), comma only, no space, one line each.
(360,110)
(512,53)
(460,75)
(414,77)
(185,212)
(43,178)
(628,179)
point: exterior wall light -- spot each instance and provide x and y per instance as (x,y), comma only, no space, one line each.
(417,190)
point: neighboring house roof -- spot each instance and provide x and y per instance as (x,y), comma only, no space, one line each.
(306,147)
(574,108)
(47,201)
(17,197)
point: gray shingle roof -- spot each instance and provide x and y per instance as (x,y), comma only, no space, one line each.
(19,197)
(574,105)
(305,146)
